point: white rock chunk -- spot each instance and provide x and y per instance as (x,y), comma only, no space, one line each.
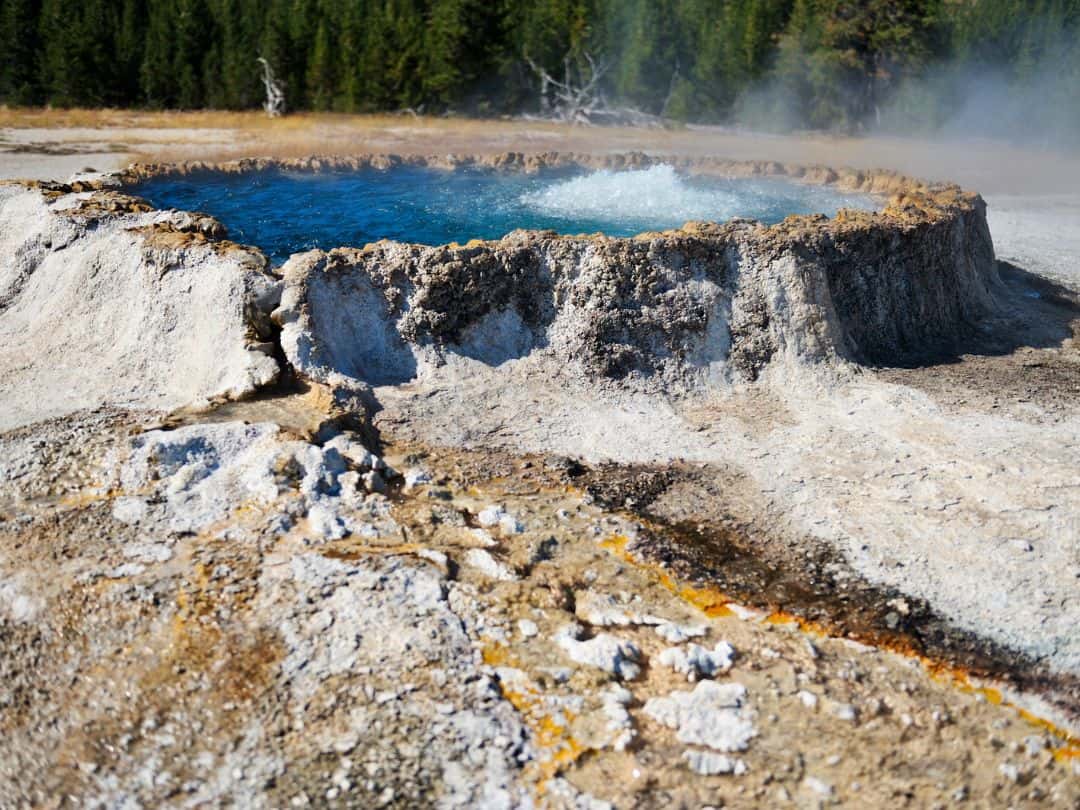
(620,723)
(415,477)
(353,451)
(498,516)
(605,651)
(97,313)
(745,613)
(713,714)
(437,558)
(604,610)
(678,633)
(490,516)
(203,472)
(19,602)
(696,662)
(487,565)
(483,538)
(845,711)
(818,786)
(325,523)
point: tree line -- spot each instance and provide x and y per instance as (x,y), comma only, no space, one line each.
(813,63)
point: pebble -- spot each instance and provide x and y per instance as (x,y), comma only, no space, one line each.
(1010,772)
(496,516)
(818,786)
(433,556)
(354,452)
(604,610)
(415,477)
(845,711)
(745,613)
(709,763)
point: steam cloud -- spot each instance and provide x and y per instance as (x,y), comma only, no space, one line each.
(1036,104)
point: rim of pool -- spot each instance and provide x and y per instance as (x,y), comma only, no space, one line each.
(305,204)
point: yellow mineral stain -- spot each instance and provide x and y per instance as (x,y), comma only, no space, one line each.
(550,732)
(714,604)
(711,602)
(1067,753)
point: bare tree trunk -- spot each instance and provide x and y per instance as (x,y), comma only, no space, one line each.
(672,85)
(275,94)
(575,99)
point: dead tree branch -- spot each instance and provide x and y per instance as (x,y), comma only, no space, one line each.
(275,93)
(578,98)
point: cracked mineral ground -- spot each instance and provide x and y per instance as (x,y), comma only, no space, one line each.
(722,516)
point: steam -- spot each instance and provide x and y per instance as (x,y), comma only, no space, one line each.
(1041,109)
(1034,103)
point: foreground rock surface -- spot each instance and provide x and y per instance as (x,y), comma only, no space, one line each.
(159,650)
(658,537)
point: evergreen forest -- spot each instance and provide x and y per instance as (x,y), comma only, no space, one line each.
(849,65)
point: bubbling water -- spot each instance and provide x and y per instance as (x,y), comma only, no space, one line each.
(287,212)
(661,195)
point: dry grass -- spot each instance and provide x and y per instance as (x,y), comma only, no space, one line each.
(248,121)
(220,135)
(51,118)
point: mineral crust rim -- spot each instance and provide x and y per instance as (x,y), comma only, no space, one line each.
(909,201)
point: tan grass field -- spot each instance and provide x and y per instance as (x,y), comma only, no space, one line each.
(125,135)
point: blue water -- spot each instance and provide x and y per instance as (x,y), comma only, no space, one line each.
(287,212)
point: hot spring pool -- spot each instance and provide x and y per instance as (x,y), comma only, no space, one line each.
(284,212)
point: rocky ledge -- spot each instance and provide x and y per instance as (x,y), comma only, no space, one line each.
(702,305)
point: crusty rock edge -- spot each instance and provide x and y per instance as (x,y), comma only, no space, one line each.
(877,287)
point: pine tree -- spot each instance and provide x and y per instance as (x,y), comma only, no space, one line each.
(156,72)
(826,63)
(19,57)
(193,35)
(464,45)
(321,70)
(129,51)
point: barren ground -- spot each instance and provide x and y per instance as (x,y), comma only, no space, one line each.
(889,556)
